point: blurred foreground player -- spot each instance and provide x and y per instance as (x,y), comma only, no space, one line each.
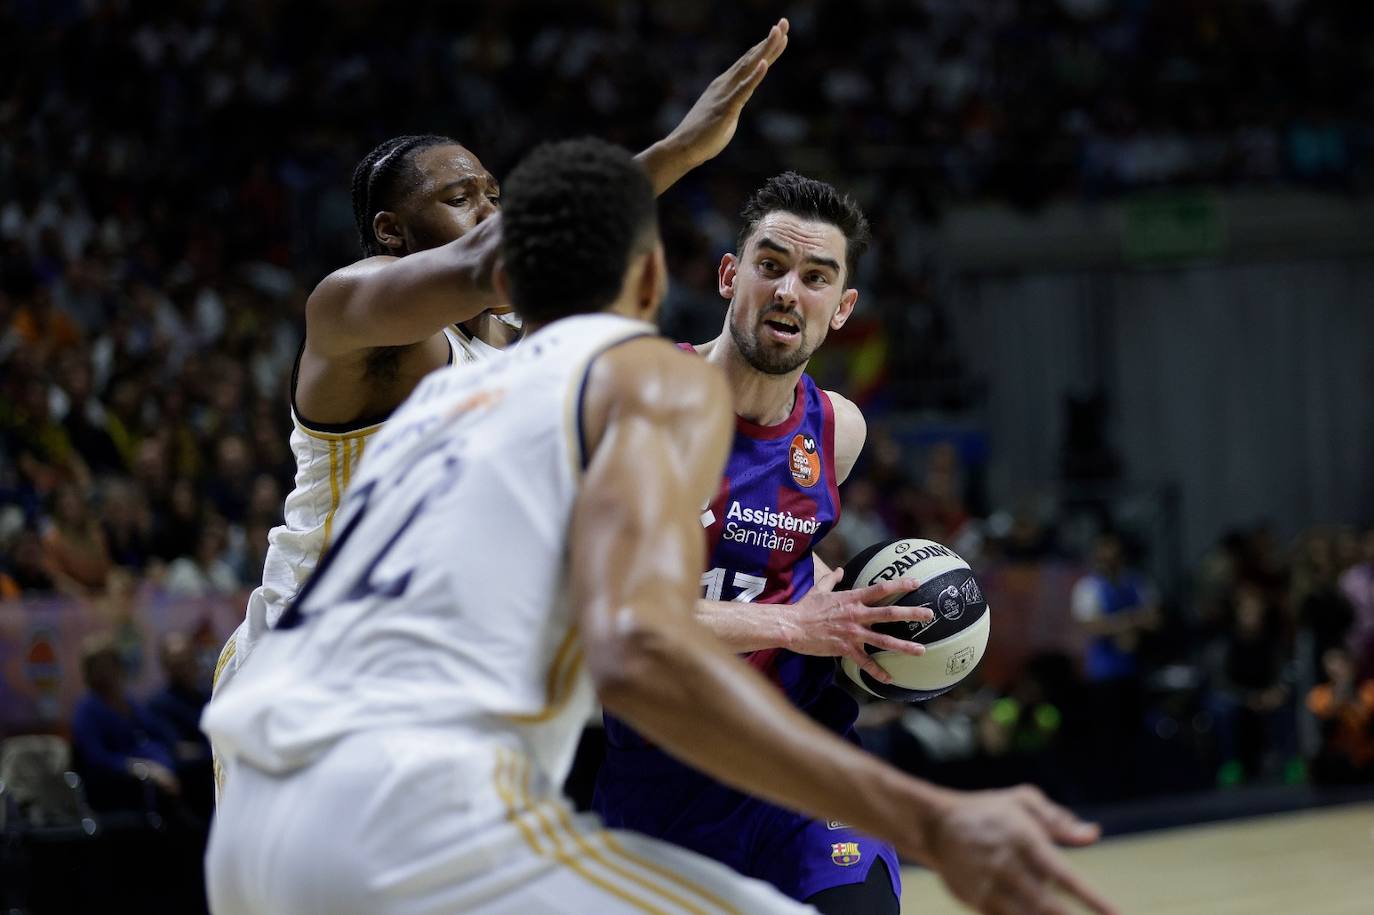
(793,444)
(525,532)
(420,299)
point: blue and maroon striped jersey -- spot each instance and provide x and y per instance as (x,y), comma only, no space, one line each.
(778,498)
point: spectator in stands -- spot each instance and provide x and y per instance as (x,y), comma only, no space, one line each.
(1357,584)
(1116,607)
(127,523)
(204,571)
(77,555)
(178,706)
(860,523)
(119,747)
(27,571)
(1324,614)
(1345,709)
(1251,670)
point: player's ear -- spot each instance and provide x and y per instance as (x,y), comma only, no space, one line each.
(847,302)
(386,225)
(653,283)
(726,276)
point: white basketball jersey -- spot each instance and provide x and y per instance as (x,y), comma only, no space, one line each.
(441,602)
(324,467)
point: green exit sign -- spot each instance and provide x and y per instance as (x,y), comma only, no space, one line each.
(1173,226)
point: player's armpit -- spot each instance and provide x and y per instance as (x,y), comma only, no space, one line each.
(851,431)
(397,301)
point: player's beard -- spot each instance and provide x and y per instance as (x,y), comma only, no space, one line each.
(766,359)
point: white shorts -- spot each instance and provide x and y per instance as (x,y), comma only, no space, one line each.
(412,821)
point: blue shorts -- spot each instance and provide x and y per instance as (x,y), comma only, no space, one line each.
(799,855)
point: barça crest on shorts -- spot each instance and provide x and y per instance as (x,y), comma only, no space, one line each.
(844,853)
(806,461)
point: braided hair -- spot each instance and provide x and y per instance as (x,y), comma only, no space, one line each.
(377,179)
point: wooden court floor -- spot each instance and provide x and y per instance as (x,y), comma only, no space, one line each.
(1310,863)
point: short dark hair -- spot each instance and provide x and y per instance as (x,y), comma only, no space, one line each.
(383,178)
(574,214)
(809,199)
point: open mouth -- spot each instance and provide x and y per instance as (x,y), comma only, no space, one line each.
(784,328)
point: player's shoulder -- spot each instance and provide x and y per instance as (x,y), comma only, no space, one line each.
(333,290)
(650,375)
(849,419)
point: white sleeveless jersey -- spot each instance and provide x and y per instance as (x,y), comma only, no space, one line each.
(441,602)
(324,467)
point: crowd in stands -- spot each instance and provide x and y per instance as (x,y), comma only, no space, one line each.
(173,179)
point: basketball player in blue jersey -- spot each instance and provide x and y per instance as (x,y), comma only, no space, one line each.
(421,298)
(399,747)
(788,286)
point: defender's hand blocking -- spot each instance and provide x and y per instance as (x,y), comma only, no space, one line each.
(838,624)
(711,122)
(995,852)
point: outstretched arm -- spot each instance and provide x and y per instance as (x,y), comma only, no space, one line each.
(711,122)
(397,301)
(657,425)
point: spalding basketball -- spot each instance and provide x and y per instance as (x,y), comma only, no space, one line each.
(954,640)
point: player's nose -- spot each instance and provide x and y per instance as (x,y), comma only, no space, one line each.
(785,292)
(485,210)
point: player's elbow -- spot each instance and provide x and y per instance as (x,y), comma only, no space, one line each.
(627,661)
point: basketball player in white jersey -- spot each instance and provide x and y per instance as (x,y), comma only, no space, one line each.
(420,299)
(523,538)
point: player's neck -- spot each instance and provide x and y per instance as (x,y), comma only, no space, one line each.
(763,399)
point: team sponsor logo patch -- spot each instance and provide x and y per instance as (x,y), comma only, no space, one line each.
(832,825)
(806,461)
(844,853)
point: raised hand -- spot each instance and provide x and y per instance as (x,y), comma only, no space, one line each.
(838,624)
(995,852)
(710,124)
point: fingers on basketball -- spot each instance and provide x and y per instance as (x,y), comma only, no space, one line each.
(868,665)
(828,581)
(888,643)
(878,594)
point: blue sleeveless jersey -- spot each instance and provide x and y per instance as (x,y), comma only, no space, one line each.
(777,500)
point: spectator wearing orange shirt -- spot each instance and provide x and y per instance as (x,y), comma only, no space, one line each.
(78,557)
(1345,709)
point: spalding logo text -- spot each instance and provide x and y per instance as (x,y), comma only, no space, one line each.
(901,565)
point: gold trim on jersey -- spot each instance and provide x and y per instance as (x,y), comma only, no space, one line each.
(558,688)
(364,432)
(505,780)
(344,452)
(616,848)
(518,769)
(226,654)
(333,491)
